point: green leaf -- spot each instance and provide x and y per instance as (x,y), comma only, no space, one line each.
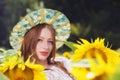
(70,45)
(116,75)
(3,77)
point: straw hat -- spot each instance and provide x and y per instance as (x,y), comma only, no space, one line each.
(60,23)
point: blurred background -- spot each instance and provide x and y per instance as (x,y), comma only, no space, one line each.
(89,18)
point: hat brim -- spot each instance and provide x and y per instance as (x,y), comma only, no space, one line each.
(60,23)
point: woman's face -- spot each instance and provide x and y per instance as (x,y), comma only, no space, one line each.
(44,45)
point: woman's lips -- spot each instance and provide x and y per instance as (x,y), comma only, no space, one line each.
(44,53)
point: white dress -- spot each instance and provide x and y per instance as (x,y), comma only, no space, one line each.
(56,73)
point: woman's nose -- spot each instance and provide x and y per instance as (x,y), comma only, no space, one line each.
(45,45)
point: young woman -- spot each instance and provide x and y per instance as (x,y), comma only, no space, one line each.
(40,43)
(38,35)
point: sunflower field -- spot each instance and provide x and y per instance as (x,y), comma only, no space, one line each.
(88,61)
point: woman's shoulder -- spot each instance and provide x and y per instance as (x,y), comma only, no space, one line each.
(66,62)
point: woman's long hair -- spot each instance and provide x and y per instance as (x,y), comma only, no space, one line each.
(30,41)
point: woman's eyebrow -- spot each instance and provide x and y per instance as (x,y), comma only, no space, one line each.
(44,38)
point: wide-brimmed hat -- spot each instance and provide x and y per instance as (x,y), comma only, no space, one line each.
(60,23)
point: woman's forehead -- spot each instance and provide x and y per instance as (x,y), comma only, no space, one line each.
(46,33)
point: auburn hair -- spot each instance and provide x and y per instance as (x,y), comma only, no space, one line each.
(30,41)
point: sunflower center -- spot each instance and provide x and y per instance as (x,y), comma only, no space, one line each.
(93,51)
(20,78)
(19,74)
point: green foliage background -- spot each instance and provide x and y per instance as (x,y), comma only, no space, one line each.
(89,18)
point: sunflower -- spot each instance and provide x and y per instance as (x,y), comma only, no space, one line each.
(92,48)
(79,73)
(102,60)
(16,69)
(67,54)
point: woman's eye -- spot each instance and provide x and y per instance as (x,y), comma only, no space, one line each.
(39,39)
(51,42)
